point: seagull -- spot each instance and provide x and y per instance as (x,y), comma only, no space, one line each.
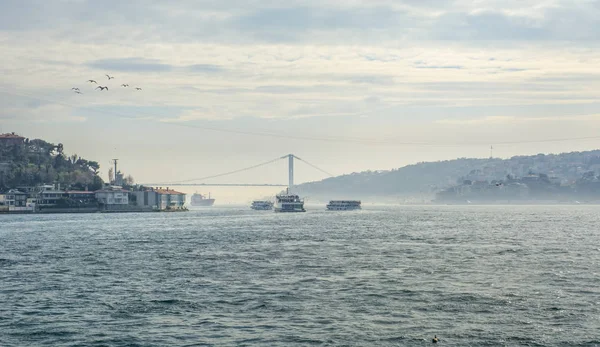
(78,92)
(138,88)
(102,88)
(92,81)
(74,88)
(109,77)
(124,85)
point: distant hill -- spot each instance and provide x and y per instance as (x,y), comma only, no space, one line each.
(25,162)
(427,178)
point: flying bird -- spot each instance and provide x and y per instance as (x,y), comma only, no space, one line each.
(92,81)
(78,92)
(124,85)
(102,88)
(74,88)
(109,77)
(138,88)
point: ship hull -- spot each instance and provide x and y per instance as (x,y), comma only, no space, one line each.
(285,210)
(261,208)
(204,202)
(340,208)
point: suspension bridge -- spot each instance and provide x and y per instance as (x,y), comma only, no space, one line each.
(194,182)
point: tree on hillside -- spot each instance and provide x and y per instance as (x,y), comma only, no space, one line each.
(39,162)
(111,175)
(94,166)
(129,181)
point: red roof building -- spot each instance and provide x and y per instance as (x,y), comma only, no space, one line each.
(11,139)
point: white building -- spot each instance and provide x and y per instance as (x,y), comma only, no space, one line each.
(112,195)
(49,197)
(15,198)
(160,199)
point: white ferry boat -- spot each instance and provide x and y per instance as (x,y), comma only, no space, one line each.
(343,205)
(288,203)
(261,205)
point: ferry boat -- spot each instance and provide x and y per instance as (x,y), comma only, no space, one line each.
(201,200)
(343,205)
(288,203)
(261,205)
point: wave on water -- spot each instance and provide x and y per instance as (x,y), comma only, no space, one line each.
(387,277)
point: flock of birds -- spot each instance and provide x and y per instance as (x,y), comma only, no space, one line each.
(124,85)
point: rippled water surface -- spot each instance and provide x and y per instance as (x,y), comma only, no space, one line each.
(383,276)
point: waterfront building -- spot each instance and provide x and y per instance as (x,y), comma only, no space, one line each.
(170,199)
(112,195)
(15,198)
(146,198)
(3,207)
(160,199)
(11,139)
(15,201)
(31,203)
(81,197)
(49,197)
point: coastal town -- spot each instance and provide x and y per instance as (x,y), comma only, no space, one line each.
(27,168)
(111,198)
(38,177)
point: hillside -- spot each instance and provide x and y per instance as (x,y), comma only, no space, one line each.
(427,179)
(25,162)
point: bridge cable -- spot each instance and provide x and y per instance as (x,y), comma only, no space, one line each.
(226,173)
(315,167)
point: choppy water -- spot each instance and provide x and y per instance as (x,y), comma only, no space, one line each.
(475,276)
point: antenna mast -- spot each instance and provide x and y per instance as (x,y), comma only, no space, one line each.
(115,161)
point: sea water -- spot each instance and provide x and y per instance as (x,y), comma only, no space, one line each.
(383,276)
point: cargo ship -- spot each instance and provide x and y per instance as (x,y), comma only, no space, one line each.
(201,200)
(343,205)
(288,203)
(261,205)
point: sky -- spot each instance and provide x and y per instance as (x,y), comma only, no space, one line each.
(346,85)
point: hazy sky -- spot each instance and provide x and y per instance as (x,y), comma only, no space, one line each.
(457,76)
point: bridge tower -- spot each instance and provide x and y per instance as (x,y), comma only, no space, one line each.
(290,170)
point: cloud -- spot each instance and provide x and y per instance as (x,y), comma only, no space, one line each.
(205,68)
(41,114)
(295,89)
(499,120)
(201,114)
(142,65)
(371,79)
(489,25)
(454,67)
(333,21)
(320,18)
(130,65)
(330,54)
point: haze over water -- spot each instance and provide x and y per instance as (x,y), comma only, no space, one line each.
(383,276)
